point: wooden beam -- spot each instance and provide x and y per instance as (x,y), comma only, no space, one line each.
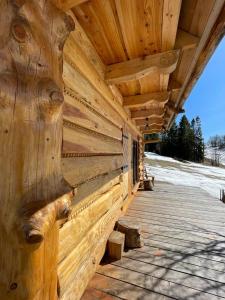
(150,128)
(172,108)
(68,4)
(137,68)
(146,113)
(149,121)
(186,40)
(213,33)
(146,99)
(150,131)
(153,141)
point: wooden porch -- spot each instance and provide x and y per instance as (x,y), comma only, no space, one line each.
(184,252)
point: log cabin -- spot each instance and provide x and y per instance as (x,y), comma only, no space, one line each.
(81,82)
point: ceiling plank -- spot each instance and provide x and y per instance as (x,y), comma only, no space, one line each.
(147,113)
(68,4)
(146,99)
(137,68)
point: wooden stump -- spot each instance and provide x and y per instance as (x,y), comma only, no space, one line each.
(148,186)
(115,245)
(132,231)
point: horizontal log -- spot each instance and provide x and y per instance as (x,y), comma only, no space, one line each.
(146,99)
(76,110)
(77,86)
(147,113)
(85,216)
(79,266)
(80,141)
(149,121)
(137,68)
(77,170)
(186,40)
(153,141)
(77,58)
(93,189)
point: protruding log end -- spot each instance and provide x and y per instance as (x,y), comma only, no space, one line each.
(37,224)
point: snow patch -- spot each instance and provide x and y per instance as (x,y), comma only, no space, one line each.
(211,179)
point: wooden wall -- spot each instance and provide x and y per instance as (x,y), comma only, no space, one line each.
(96,160)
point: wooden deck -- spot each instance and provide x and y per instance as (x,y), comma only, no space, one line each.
(184,252)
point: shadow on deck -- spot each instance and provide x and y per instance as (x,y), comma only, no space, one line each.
(184,252)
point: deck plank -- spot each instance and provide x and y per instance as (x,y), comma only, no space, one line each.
(184,252)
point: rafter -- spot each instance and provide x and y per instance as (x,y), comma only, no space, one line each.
(137,68)
(147,113)
(146,99)
(171,107)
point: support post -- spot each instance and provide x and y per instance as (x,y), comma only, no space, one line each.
(34,194)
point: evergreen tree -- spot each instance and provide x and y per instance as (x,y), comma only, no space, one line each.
(199,141)
(185,139)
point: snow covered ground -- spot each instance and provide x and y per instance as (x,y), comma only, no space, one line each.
(211,152)
(210,179)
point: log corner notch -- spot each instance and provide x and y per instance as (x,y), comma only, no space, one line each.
(34,194)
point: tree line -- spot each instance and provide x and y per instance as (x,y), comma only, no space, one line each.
(217,141)
(183,141)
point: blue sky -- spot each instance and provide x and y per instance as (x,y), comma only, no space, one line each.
(207,98)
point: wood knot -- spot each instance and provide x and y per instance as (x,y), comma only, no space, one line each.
(70,25)
(19,32)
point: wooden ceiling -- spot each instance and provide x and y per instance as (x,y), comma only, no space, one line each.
(150,49)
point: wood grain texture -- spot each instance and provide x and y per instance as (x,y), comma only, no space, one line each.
(147,113)
(75,168)
(182,256)
(137,68)
(34,193)
(153,99)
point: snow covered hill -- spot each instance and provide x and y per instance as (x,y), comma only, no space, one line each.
(215,153)
(210,179)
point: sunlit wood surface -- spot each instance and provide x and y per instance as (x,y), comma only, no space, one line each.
(184,252)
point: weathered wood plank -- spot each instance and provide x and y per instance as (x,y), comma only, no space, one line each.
(78,140)
(77,111)
(164,287)
(75,168)
(201,284)
(122,289)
